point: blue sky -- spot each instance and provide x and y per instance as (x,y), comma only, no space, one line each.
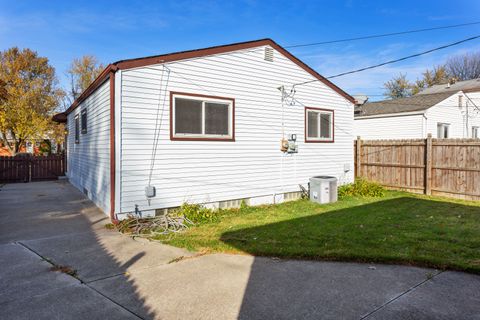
(115,30)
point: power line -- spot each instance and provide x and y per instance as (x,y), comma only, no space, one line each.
(381,35)
(392,61)
(404,58)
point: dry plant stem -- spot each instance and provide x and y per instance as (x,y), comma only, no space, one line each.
(148,227)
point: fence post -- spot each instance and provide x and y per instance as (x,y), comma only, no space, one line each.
(358,156)
(428,164)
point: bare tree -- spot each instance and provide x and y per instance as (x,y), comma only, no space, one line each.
(464,67)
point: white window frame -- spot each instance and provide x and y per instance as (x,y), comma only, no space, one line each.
(445,125)
(320,111)
(475,132)
(204,99)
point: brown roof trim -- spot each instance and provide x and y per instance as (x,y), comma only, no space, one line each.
(103,77)
(145,61)
(312,72)
(60,117)
(471,90)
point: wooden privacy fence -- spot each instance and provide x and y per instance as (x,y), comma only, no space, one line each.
(446,167)
(26,168)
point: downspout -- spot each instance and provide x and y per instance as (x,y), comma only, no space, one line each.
(424,124)
(113,69)
(466,119)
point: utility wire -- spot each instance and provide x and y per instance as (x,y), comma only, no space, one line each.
(381,35)
(405,58)
(393,61)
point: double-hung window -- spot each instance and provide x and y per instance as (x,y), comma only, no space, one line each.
(77,129)
(84,120)
(443,130)
(319,125)
(199,117)
(475,132)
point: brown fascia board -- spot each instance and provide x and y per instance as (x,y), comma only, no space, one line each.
(60,117)
(471,90)
(170,57)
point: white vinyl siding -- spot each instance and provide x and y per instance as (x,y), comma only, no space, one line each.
(399,127)
(406,126)
(88,161)
(449,112)
(210,171)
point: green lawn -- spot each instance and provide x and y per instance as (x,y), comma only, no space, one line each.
(399,228)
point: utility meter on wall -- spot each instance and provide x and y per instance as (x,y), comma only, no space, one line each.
(290,145)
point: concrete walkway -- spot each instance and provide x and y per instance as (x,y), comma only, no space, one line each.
(51,223)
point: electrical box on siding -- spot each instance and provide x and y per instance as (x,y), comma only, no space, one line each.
(150,191)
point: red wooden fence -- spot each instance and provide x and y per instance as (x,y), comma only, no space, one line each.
(26,168)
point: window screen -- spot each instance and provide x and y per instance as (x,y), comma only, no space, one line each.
(84,120)
(325,124)
(202,117)
(319,125)
(475,132)
(312,124)
(216,118)
(77,129)
(188,116)
(443,130)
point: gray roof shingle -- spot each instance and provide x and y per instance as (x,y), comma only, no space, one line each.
(411,104)
(473,84)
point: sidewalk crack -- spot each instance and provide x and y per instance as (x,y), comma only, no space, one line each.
(80,280)
(365,316)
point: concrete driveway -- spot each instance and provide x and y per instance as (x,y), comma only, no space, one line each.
(47,224)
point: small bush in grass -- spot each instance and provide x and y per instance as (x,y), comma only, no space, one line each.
(197,213)
(361,188)
(110,226)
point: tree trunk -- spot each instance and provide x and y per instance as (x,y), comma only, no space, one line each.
(7,143)
(18,144)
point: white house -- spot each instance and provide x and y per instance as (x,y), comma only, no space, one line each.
(207,126)
(443,113)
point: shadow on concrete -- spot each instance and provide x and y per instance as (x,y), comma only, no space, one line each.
(54,221)
(285,289)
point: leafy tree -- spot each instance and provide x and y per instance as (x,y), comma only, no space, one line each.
(30,96)
(398,87)
(437,75)
(3,91)
(464,67)
(83,71)
(460,67)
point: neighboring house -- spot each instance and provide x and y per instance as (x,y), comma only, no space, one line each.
(205,126)
(465,86)
(30,146)
(444,114)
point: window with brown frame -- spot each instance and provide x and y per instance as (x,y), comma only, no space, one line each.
(83,114)
(319,125)
(77,129)
(200,117)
